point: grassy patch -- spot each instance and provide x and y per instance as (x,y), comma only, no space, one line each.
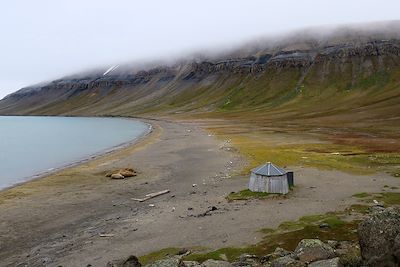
(361,195)
(360,208)
(247,194)
(346,151)
(389,198)
(287,236)
(289,240)
(319,155)
(227,253)
(158,255)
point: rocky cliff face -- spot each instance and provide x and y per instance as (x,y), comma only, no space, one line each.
(257,79)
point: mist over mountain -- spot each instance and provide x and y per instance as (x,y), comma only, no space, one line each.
(314,73)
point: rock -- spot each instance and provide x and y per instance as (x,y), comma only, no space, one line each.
(191,264)
(349,253)
(131,261)
(333,243)
(174,261)
(335,262)
(324,225)
(278,253)
(286,261)
(379,238)
(309,250)
(215,263)
(183,251)
(246,260)
(282,252)
(117,176)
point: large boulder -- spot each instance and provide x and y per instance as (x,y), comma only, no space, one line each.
(335,262)
(309,250)
(131,261)
(379,237)
(287,261)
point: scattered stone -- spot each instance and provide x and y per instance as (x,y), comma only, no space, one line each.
(379,237)
(281,252)
(215,263)
(191,264)
(174,261)
(324,225)
(286,261)
(278,253)
(309,250)
(206,213)
(131,261)
(335,262)
(183,251)
(246,260)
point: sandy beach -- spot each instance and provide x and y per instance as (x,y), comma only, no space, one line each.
(77,216)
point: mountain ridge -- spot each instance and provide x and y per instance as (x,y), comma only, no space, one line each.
(274,81)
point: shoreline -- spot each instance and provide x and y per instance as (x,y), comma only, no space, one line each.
(86,159)
(62,218)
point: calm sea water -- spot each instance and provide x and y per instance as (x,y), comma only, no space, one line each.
(32,145)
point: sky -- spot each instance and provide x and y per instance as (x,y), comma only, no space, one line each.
(44,40)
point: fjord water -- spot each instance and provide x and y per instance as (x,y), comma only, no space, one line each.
(33,145)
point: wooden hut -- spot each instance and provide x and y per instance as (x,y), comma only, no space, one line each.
(270,179)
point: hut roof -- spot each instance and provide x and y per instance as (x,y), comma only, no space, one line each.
(269,169)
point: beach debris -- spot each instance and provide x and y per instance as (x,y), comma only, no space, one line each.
(106,235)
(208,212)
(375,201)
(194,185)
(124,172)
(173,209)
(152,205)
(151,195)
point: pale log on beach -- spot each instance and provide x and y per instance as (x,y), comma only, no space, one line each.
(152,195)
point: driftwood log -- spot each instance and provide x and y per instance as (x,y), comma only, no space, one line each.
(151,195)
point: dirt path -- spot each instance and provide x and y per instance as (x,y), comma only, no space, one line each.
(58,220)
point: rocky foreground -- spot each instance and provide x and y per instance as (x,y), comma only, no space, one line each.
(379,245)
